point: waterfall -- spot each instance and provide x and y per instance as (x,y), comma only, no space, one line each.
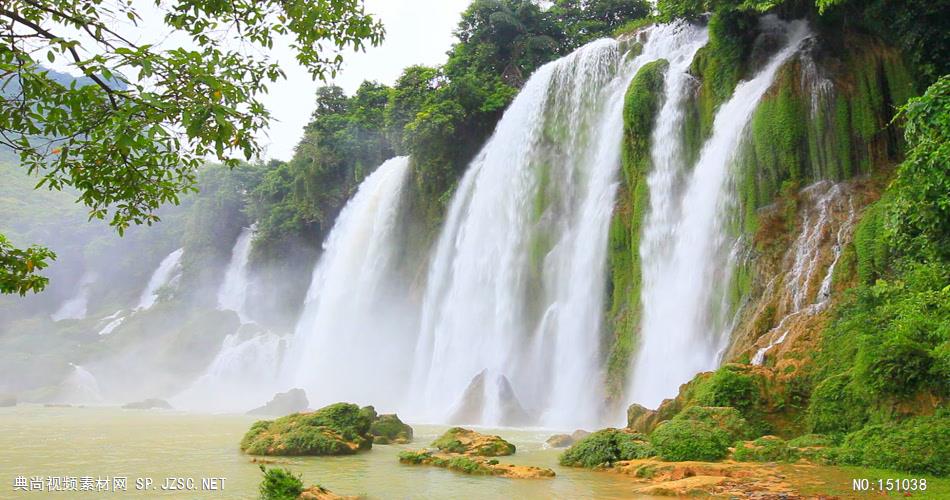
(684,254)
(81,386)
(803,295)
(242,375)
(515,289)
(75,307)
(232,295)
(111,322)
(164,275)
(353,340)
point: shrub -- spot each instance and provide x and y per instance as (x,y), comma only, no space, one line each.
(811,441)
(337,429)
(727,387)
(680,440)
(280,484)
(765,449)
(725,418)
(605,447)
(918,444)
(836,406)
(390,429)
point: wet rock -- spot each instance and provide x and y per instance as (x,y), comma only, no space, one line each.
(467,442)
(321,493)
(148,404)
(338,429)
(388,429)
(565,440)
(471,407)
(640,418)
(283,403)
(7,400)
(479,466)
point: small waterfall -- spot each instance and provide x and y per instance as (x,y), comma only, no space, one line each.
(515,289)
(81,386)
(353,341)
(232,295)
(111,322)
(242,375)
(164,275)
(75,307)
(827,205)
(685,253)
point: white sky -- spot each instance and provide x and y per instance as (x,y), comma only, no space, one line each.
(417,32)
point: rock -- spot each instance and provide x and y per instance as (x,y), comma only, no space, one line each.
(388,429)
(471,406)
(474,465)
(640,418)
(283,403)
(560,441)
(321,493)
(7,400)
(565,440)
(148,404)
(338,429)
(467,442)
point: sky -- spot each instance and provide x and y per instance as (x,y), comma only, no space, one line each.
(417,32)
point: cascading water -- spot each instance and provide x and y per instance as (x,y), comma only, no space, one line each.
(232,295)
(75,307)
(354,337)
(515,289)
(828,216)
(80,386)
(165,274)
(684,253)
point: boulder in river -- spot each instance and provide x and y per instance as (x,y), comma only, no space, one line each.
(468,442)
(478,466)
(565,440)
(338,429)
(471,406)
(148,404)
(283,403)
(388,429)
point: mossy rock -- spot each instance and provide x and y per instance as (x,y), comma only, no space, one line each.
(467,442)
(388,429)
(765,449)
(725,418)
(472,465)
(607,446)
(338,429)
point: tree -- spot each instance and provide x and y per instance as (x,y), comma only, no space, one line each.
(131,135)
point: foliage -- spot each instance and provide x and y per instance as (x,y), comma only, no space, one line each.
(920,215)
(388,429)
(128,143)
(680,440)
(764,449)
(18,267)
(605,447)
(460,440)
(729,387)
(919,444)
(836,406)
(280,484)
(338,429)
(461,464)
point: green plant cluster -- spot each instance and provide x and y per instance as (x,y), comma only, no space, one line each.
(461,464)
(388,429)
(606,446)
(918,444)
(280,484)
(338,429)
(475,444)
(699,433)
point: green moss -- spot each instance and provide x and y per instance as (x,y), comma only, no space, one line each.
(641,104)
(679,440)
(461,464)
(605,447)
(387,429)
(729,420)
(870,244)
(338,429)
(460,440)
(765,449)
(729,387)
(919,444)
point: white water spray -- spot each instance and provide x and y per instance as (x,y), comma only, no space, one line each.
(680,335)
(232,295)
(75,307)
(354,337)
(516,283)
(166,273)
